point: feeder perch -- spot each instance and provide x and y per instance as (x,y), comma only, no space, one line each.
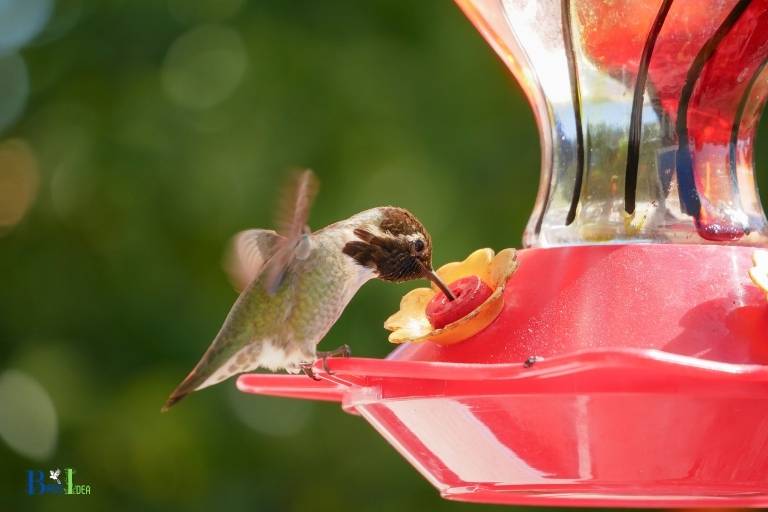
(628,365)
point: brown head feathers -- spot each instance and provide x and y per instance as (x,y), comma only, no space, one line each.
(399,250)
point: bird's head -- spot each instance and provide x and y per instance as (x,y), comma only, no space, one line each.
(396,246)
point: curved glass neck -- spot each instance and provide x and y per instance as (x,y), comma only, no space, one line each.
(647,111)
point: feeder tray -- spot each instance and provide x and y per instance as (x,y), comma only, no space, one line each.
(616,427)
(638,396)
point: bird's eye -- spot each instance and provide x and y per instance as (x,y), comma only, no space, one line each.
(418,245)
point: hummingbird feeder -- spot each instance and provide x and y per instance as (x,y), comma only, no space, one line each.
(628,362)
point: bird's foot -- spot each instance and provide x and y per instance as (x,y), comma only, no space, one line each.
(342,351)
(308,371)
(307,368)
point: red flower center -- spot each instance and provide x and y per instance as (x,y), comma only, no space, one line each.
(470,292)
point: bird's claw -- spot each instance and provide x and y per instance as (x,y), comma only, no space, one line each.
(307,368)
(308,371)
(342,351)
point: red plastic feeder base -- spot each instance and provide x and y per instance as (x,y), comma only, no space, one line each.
(650,389)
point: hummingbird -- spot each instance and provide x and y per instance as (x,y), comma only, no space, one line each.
(294,284)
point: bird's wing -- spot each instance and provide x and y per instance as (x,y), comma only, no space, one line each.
(248,252)
(292,216)
(295,203)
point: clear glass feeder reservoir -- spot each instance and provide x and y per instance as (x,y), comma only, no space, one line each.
(628,365)
(647,112)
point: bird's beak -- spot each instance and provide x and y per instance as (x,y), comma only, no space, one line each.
(430,274)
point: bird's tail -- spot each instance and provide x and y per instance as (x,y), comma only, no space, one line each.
(192,382)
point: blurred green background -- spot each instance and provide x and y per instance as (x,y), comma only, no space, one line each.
(135,138)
